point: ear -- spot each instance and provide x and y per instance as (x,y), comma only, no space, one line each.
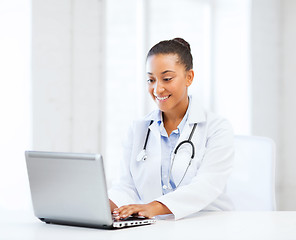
(189,77)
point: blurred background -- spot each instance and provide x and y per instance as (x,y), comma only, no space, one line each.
(72,76)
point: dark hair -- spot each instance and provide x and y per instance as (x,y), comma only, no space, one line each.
(175,46)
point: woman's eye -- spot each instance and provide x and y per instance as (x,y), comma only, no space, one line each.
(150,80)
(167,79)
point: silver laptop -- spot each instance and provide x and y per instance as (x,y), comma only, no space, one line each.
(70,189)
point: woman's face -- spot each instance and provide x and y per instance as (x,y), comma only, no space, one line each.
(168,81)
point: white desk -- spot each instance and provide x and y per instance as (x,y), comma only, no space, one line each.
(206,225)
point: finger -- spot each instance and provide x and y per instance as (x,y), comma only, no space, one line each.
(126,208)
(115,211)
(143,213)
(129,210)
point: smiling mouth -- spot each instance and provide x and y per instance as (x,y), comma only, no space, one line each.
(162,98)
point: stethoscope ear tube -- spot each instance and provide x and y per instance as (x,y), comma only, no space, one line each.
(192,132)
(147,136)
(143,155)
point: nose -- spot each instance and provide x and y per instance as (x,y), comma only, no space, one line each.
(158,88)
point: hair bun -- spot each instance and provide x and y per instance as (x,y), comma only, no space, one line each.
(183,42)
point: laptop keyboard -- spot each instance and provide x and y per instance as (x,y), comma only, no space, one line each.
(129,218)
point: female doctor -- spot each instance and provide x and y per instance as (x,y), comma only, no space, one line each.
(178,158)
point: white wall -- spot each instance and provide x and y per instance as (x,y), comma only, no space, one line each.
(287,111)
(273,100)
(273,88)
(67,53)
(265,71)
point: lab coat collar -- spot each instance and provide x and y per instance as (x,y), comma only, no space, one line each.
(197,113)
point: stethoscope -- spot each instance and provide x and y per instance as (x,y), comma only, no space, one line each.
(143,155)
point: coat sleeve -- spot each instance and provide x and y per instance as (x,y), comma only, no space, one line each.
(123,190)
(211,178)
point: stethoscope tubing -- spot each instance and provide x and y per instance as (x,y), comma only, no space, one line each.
(147,136)
(183,142)
(175,153)
(144,157)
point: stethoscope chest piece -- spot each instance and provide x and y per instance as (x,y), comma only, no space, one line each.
(142,156)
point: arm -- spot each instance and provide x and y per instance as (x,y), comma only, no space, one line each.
(210,181)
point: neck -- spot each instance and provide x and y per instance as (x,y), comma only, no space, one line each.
(172,119)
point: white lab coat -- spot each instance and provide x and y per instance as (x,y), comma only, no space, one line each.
(204,184)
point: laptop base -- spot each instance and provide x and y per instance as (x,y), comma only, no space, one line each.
(116,224)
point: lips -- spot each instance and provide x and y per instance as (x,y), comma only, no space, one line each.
(162,98)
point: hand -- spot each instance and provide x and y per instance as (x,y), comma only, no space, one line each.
(145,210)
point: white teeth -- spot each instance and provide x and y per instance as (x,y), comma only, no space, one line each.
(162,98)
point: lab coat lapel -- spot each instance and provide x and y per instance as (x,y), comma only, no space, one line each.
(155,130)
(182,158)
(154,188)
(195,115)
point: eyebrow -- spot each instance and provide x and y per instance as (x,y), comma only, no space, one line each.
(164,72)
